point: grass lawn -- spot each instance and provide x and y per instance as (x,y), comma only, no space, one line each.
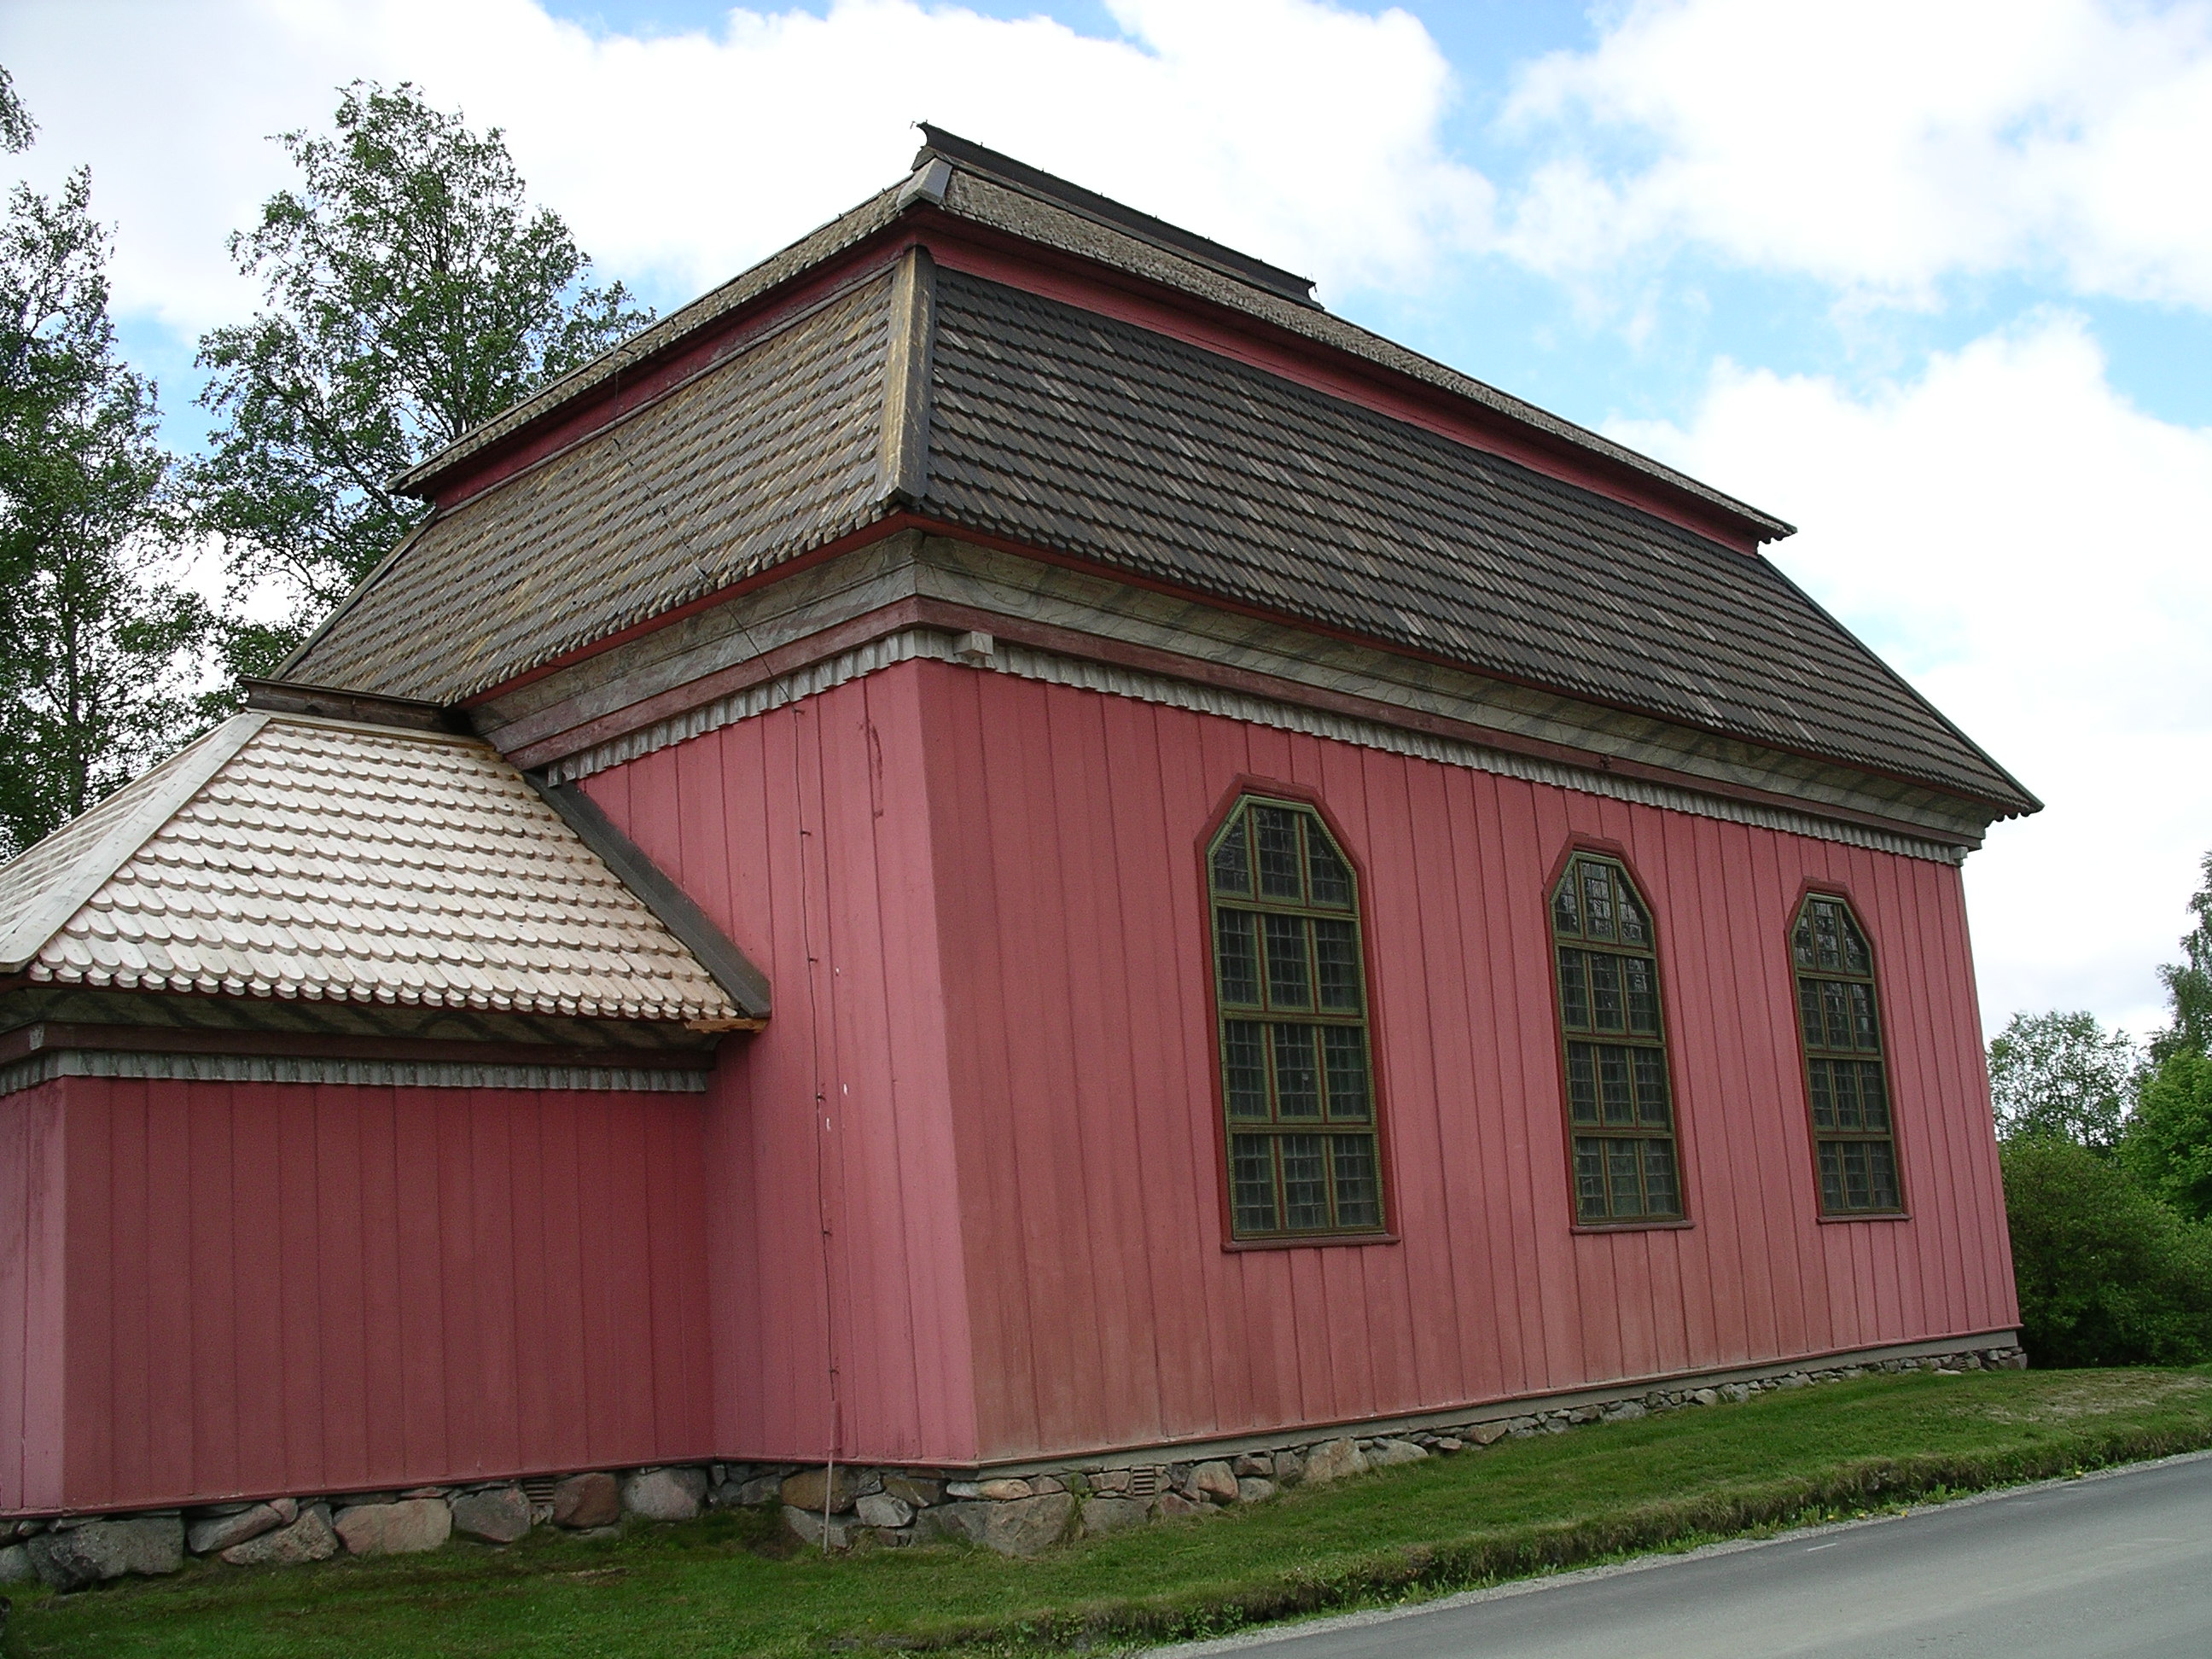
(726,1586)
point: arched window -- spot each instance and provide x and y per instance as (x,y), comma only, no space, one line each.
(1845,1080)
(1621,1106)
(1291,985)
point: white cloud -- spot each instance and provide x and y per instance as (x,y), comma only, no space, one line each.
(1302,131)
(1882,144)
(2031,550)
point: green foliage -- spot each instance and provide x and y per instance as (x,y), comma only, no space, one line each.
(1521,1506)
(2061,1077)
(411,295)
(2107,1274)
(97,655)
(2189,984)
(17,129)
(2168,1145)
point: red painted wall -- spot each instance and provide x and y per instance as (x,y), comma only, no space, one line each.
(271,1289)
(1065,826)
(834,1233)
(978,898)
(31,1256)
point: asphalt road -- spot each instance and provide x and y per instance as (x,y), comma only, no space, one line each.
(2113,1565)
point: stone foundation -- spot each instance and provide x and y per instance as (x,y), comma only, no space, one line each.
(1018,1511)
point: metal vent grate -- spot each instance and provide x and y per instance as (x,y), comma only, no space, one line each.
(539,1488)
(1145,1483)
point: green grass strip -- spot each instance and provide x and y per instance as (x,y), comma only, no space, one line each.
(728,1586)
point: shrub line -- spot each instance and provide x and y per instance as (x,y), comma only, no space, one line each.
(1496,1554)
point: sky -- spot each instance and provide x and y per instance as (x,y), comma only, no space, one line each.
(1931,281)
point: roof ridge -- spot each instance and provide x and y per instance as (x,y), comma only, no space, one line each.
(165,791)
(1105,209)
(902,452)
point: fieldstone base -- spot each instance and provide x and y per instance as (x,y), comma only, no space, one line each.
(845,1507)
(146,1546)
(859,1508)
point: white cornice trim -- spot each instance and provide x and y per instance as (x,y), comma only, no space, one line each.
(936,645)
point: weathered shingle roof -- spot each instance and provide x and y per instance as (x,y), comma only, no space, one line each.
(283,856)
(1061,428)
(767,454)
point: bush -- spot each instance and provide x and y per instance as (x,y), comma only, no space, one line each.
(2107,1274)
(2167,1145)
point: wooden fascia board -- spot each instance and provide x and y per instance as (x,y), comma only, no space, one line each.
(558,742)
(44,1036)
(745,984)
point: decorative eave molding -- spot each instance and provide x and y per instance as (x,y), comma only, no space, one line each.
(49,1064)
(976,649)
(45,1048)
(770,644)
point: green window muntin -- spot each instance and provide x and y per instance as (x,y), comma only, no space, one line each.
(1621,1107)
(1846,1078)
(1297,1082)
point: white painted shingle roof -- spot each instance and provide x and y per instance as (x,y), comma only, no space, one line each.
(285,855)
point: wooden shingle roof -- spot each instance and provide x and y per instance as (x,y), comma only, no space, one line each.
(1052,426)
(289,857)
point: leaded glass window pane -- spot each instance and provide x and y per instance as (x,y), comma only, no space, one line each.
(1566,910)
(1612,1090)
(1660,1196)
(1846,1078)
(1288,984)
(1618,1101)
(1232,861)
(1277,832)
(1331,881)
(1236,955)
(1597,899)
(1620,1167)
(1359,1195)
(1252,1182)
(1305,1184)
(1574,990)
(1291,984)
(1336,962)
(1344,1051)
(1605,991)
(1589,1179)
(1244,1068)
(1650,1068)
(1641,982)
(1297,1079)
(1582,1082)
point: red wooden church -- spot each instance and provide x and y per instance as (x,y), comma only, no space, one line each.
(1001,847)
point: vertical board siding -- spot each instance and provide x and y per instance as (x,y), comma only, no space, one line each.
(276,1289)
(32,1336)
(834,1261)
(1104,1309)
